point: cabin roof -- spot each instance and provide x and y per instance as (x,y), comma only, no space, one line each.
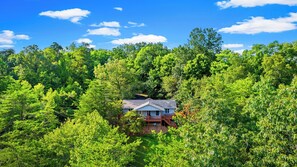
(134,104)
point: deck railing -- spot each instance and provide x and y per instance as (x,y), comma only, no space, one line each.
(153,118)
(158,118)
(165,118)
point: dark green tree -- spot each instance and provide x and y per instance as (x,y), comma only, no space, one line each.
(207,41)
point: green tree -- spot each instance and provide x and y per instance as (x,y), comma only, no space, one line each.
(80,65)
(88,141)
(277,70)
(102,98)
(162,67)
(132,123)
(143,62)
(100,56)
(198,67)
(122,79)
(170,85)
(273,139)
(206,41)
(27,64)
(26,115)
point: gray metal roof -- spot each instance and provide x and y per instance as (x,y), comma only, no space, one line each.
(162,103)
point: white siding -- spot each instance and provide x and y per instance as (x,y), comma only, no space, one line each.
(148,108)
(171,111)
(153,113)
(143,111)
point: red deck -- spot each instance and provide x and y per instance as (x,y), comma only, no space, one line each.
(159,119)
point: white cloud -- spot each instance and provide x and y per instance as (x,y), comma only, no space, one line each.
(232,46)
(87,41)
(257,25)
(118,8)
(22,37)
(73,15)
(84,40)
(254,3)
(6,40)
(134,24)
(236,47)
(105,31)
(140,38)
(107,24)
(240,51)
(7,37)
(92,46)
(6,46)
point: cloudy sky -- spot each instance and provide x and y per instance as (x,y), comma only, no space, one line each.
(106,24)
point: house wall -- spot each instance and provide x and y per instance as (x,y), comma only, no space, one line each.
(171,111)
(153,113)
(148,108)
(143,111)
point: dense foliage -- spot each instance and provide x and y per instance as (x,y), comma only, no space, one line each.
(62,106)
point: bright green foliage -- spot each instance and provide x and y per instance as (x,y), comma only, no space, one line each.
(169,84)
(121,79)
(186,90)
(127,51)
(205,41)
(235,109)
(88,141)
(102,98)
(275,142)
(182,54)
(100,56)
(29,63)
(162,67)
(143,62)
(197,67)
(237,122)
(196,145)
(80,65)
(26,115)
(224,60)
(132,123)
(166,64)
(276,70)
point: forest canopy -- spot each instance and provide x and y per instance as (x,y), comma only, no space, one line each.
(61,106)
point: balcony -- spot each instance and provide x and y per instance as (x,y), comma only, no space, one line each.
(159,119)
(153,118)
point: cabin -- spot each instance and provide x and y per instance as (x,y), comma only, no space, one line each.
(155,112)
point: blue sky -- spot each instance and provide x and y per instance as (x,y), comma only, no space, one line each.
(106,24)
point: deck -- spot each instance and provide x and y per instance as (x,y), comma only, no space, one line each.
(158,119)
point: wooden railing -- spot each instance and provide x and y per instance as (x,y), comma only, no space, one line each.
(165,118)
(153,118)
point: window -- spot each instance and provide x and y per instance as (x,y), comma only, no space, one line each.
(157,113)
(167,111)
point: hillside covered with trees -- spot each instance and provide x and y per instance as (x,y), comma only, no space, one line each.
(61,106)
